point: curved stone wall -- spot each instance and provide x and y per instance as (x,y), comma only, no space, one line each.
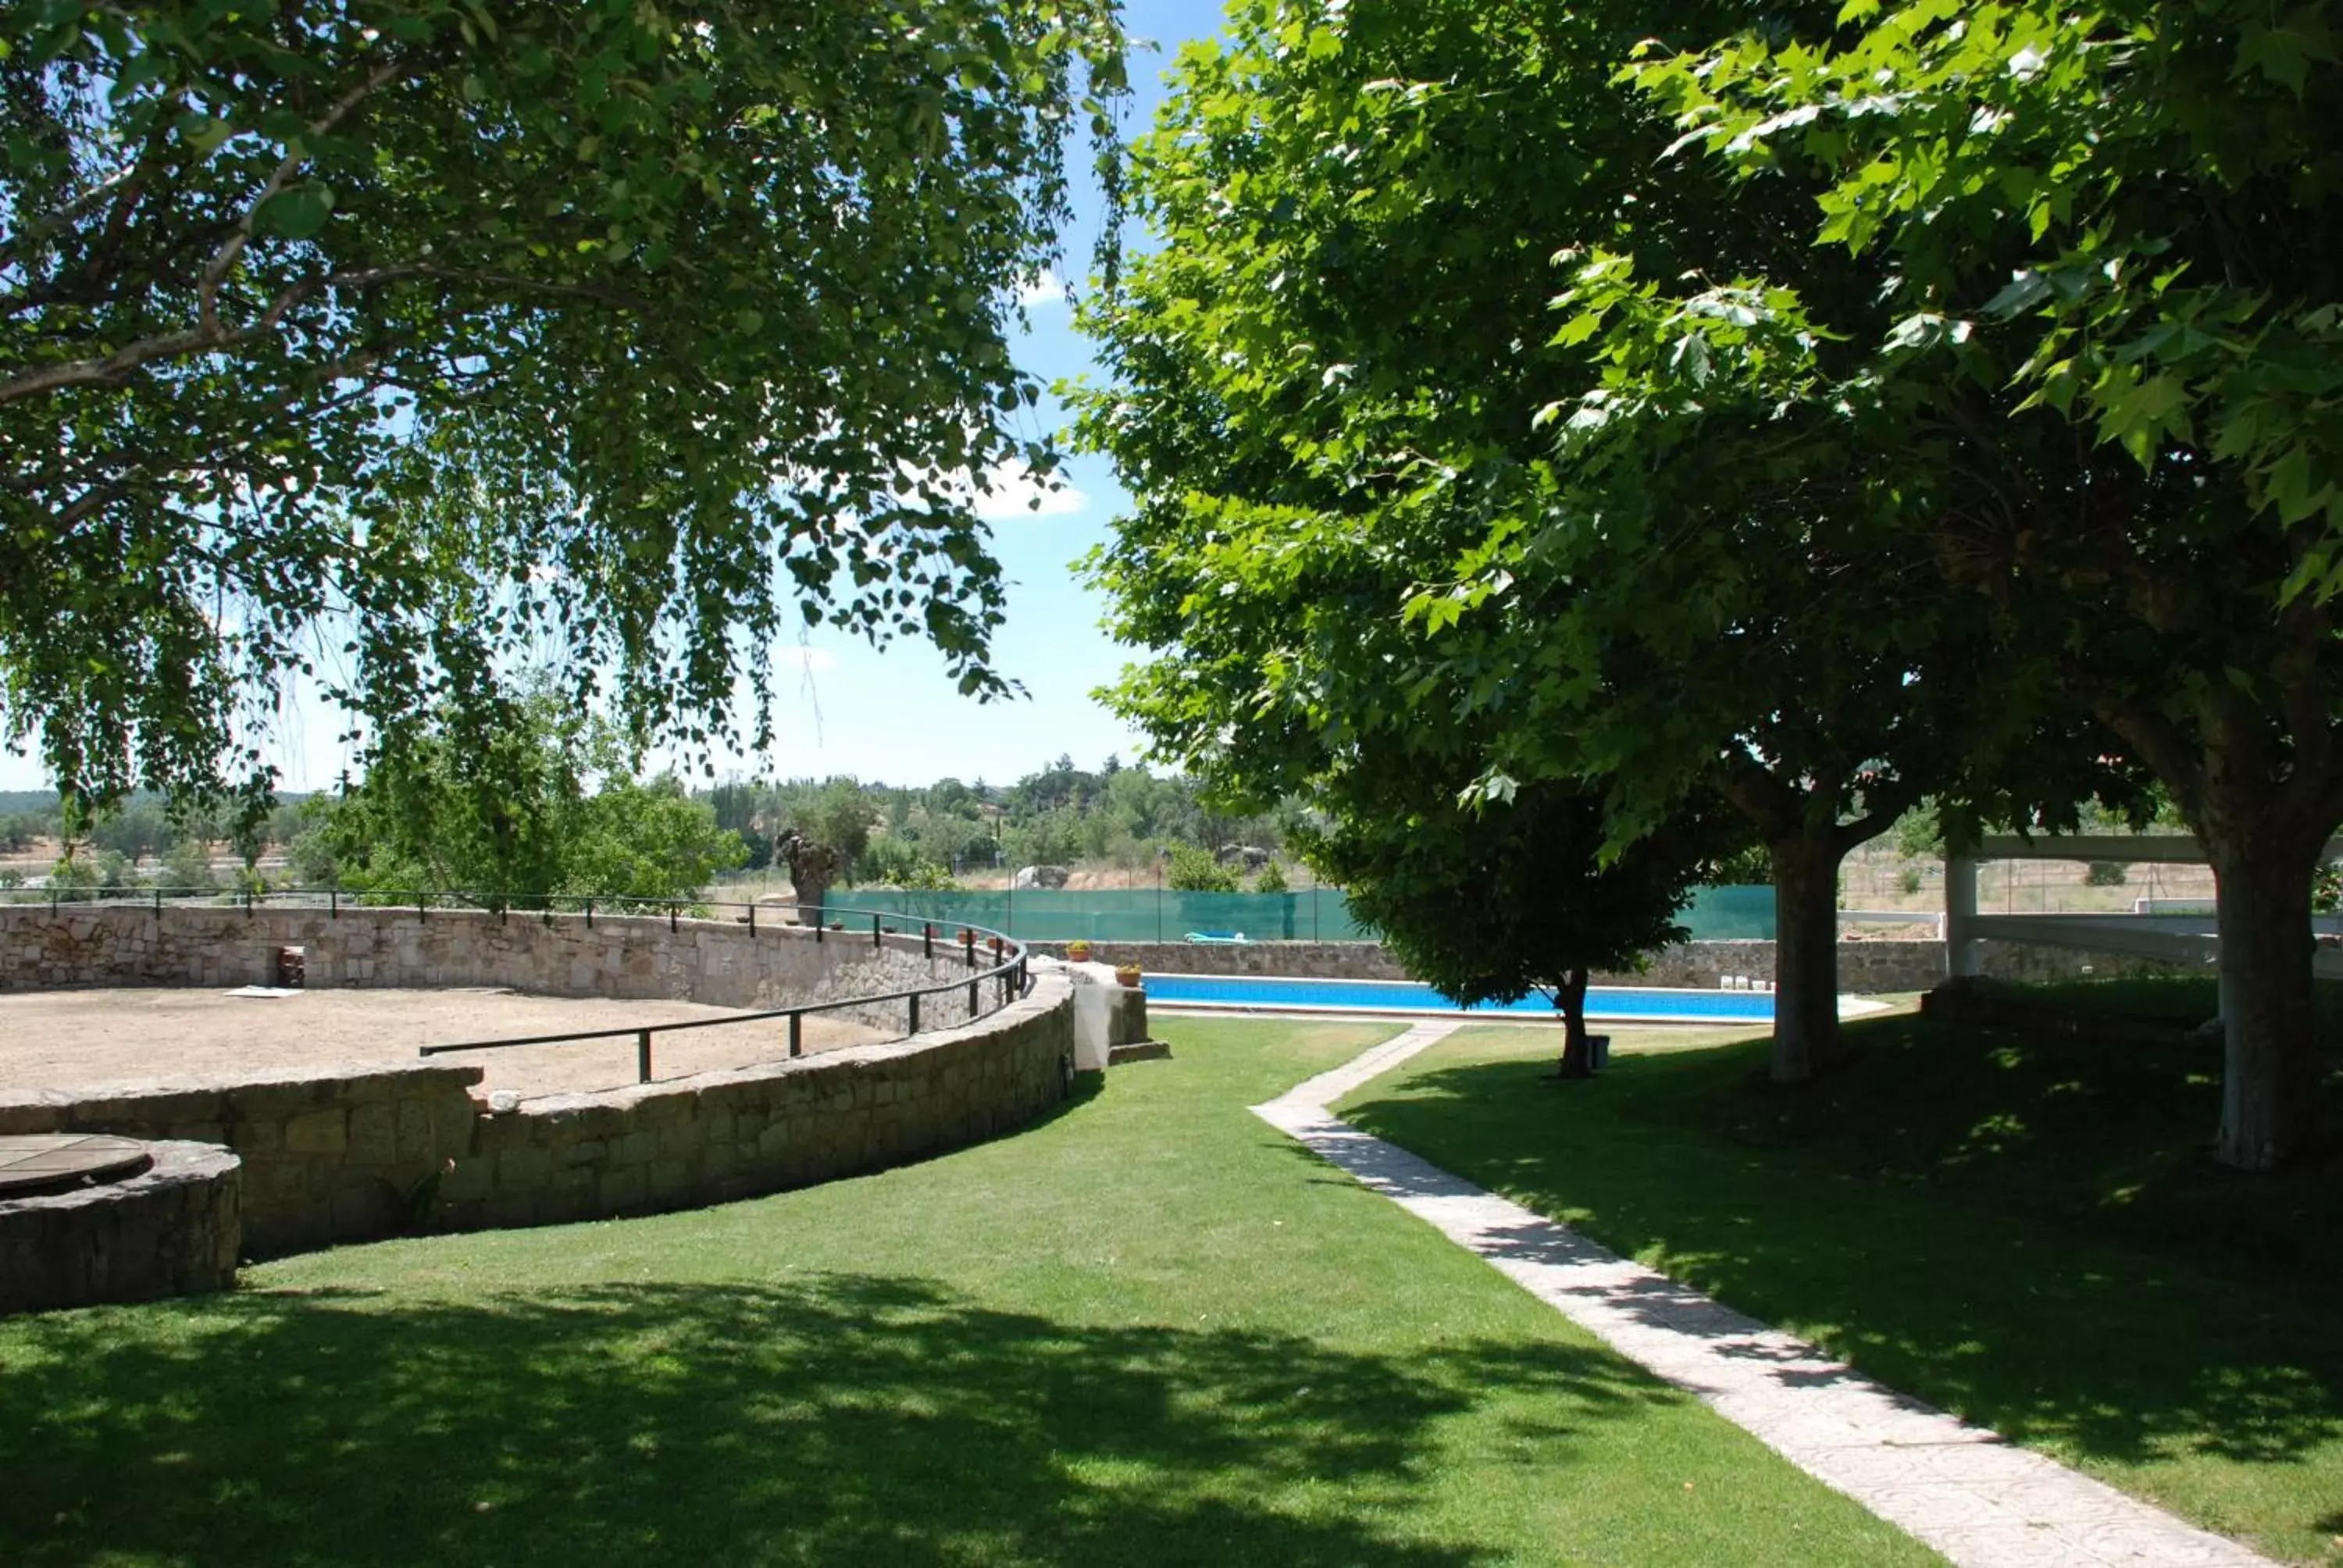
(721,963)
(375,1152)
(686,1141)
(169,1230)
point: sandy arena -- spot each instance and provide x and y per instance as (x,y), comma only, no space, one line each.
(79,1039)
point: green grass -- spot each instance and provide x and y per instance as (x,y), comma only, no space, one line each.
(2184,1001)
(2030,1233)
(1149,1330)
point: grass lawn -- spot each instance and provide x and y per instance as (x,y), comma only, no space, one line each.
(2030,1233)
(2185,1001)
(1149,1330)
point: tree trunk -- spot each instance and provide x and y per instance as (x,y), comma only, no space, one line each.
(1806,952)
(2269,1081)
(1577,1056)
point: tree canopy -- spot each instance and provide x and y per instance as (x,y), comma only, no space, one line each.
(1357,514)
(2107,238)
(388,341)
(531,803)
(1491,902)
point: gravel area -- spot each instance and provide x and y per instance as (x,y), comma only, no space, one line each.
(77,1038)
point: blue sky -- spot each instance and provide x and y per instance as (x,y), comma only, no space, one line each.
(893,716)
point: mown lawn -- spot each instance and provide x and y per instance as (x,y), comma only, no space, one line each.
(2030,1232)
(1149,1330)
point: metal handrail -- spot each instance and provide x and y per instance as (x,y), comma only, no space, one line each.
(1010,973)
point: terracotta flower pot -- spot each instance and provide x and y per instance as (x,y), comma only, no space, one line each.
(1126,975)
(1078,951)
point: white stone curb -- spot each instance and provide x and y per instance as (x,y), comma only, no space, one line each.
(1982,1502)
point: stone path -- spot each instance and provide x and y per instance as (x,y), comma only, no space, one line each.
(1980,1501)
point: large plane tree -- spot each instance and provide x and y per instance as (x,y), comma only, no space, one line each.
(1350,518)
(2111,237)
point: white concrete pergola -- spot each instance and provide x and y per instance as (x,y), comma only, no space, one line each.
(2177,939)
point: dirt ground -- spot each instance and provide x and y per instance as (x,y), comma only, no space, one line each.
(77,1038)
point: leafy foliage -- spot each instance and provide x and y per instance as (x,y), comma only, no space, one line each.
(1491,902)
(535,804)
(1193,870)
(1331,399)
(384,343)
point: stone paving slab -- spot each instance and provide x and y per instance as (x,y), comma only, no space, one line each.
(1981,1501)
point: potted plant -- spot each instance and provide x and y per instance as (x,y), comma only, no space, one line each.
(1079,949)
(1127,976)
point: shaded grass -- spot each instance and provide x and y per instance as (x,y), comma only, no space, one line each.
(2182,1000)
(2028,1233)
(1145,1331)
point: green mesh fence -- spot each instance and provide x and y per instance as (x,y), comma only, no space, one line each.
(1153,915)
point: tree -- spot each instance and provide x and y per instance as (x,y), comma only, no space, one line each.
(534,804)
(1193,870)
(1350,523)
(1490,903)
(2112,253)
(427,332)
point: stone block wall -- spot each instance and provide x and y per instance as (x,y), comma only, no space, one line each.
(1867,966)
(372,1152)
(329,1157)
(721,963)
(725,1135)
(170,1230)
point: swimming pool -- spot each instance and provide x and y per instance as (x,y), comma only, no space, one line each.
(1620,1004)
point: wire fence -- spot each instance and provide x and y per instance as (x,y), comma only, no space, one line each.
(1169,915)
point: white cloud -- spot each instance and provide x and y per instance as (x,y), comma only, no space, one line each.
(1012,492)
(1044,290)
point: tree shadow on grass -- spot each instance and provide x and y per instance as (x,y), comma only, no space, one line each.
(842,1418)
(1924,1263)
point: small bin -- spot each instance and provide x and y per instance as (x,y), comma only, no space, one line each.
(292,968)
(1598,1051)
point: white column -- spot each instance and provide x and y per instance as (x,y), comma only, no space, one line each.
(1961,957)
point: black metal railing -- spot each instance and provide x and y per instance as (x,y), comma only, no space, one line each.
(995,964)
(1006,978)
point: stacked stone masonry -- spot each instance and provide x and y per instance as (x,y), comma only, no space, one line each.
(725,1135)
(1866,966)
(373,1151)
(719,963)
(327,1157)
(169,1230)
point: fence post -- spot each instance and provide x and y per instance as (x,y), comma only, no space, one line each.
(876,941)
(915,1012)
(752,919)
(673,912)
(797,1034)
(642,1056)
(927,940)
(589,914)
(973,1001)
(334,903)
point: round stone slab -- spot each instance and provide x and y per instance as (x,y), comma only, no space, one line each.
(61,1161)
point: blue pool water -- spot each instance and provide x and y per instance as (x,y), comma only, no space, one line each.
(1614,1004)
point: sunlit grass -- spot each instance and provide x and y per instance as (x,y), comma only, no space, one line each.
(1150,1331)
(2030,1232)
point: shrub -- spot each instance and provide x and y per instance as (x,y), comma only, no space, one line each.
(2105,874)
(1193,870)
(1270,880)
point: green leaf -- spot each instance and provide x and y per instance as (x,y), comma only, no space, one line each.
(297,212)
